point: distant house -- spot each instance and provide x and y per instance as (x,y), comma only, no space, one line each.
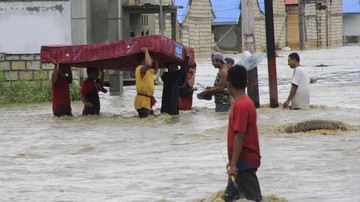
(194,20)
(226,26)
(313,24)
(351,21)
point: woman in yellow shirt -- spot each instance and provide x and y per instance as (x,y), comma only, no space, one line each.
(144,100)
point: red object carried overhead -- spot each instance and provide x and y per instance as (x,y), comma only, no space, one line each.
(118,55)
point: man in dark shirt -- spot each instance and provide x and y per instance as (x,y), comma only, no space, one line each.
(89,92)
(171,78)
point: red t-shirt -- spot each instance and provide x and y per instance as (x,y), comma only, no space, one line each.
(61,95)
(88,86)
(242,119)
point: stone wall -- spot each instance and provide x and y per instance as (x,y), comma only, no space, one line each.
(324,27)
(26,67)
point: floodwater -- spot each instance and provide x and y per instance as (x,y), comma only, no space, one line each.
(119,157)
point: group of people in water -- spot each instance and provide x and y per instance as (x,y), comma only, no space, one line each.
(178,87)
(177,94)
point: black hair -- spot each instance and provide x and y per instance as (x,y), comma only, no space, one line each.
(193,66)
(141,56)
(229,61)
(89,70)
(237,77)
(295,56)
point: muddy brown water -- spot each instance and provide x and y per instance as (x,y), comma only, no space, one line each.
(119,157)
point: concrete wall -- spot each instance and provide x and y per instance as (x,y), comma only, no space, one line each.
(228,37)
(25,26)
(351,28)
(279,25)
(26,67)
(351,24)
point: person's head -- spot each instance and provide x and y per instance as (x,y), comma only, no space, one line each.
(140,57)
(229,62)
(294,60)
(193,67)
(217,59)
(92,73)
(172,67)
(237,78)
(65,68)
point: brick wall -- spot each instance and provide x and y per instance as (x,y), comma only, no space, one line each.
(196,29)
(324,28)
(26,67)
(279,25)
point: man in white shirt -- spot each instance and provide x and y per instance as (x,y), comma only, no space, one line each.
(299,95)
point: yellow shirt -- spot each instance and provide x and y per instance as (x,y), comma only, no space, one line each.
(144,85)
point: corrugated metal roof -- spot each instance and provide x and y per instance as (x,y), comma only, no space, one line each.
(351,6)
(226,11)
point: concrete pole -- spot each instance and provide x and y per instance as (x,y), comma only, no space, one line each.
(115,32)
(301,24)
(161,18)
(247,17)
(271,54)
(80,27)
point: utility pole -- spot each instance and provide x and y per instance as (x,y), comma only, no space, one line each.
(161,18)
(162,31)
(271,54)
(301,23)
(247,21)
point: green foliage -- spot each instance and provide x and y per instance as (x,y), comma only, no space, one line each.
(23,91)
(74,91)
(263,49)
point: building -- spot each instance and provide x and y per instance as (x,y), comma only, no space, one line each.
(351,21)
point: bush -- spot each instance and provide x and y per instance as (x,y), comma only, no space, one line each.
(23,91)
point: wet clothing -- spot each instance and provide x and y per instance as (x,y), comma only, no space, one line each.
(247,186)
(170,94)
(145,88)
(91,92)
(222,107)
(302,96)
(61,96)
(242,119)
(222,98)
(185,102)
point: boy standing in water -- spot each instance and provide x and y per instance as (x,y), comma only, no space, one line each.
(170,94)
(145,86)
(60,80)
(242,141)
(89,92)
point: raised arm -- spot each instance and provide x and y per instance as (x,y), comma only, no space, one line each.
(185,65)
(147,63)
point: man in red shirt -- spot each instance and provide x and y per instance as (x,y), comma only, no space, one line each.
(242,141)
(60,79)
